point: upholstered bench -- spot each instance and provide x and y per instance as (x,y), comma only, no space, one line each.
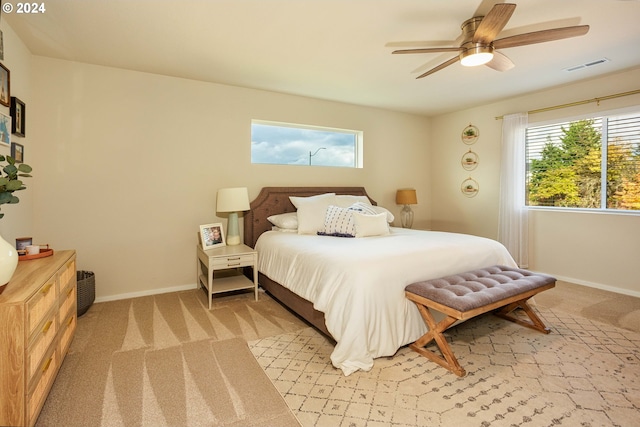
(466,295)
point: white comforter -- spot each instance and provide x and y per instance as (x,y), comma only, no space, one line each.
(358,283)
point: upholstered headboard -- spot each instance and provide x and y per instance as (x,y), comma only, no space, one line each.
(275,200)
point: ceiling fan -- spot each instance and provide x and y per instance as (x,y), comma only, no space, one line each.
(479,44)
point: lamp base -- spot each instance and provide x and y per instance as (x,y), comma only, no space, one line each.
(233,232)
(406,217)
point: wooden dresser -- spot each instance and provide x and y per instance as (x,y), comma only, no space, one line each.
(37,322)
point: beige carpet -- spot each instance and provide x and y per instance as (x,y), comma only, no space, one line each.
(166,360)
(585,373)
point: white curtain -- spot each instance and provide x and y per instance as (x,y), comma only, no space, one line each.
(513,217)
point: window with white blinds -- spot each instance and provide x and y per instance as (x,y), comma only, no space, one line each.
(590,163)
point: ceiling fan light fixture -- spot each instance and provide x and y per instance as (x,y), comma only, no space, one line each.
(477,54)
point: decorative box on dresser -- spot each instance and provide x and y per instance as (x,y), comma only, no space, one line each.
(37,322)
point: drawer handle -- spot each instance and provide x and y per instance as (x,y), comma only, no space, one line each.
(233,265)
(233,259)
(70,321)
(47,326)
(46,365)
(46,288)
(69,292)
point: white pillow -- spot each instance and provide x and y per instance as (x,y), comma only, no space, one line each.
(344,200)
(370,225)
(311,211)
(283,230)
(380,209)
(368,208)
(288,221)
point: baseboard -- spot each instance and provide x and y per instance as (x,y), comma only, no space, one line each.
(146,293)
(599,286)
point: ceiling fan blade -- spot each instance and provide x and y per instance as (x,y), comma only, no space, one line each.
(493,22)
(500,62)
(428,50)
(440,67)
(541,36)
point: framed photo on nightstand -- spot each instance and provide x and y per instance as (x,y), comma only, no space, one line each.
(212,236)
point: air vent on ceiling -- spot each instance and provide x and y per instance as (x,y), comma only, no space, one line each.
(587,65)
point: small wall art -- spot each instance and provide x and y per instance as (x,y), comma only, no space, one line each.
(469,160)
(470,187)
(17,152)
(5,96)
(5,129)
(470,134)
(18,116)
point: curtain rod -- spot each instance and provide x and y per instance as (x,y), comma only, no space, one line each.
(586,101)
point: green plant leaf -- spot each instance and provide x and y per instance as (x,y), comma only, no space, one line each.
(10,169)
(14,185)
(3,181)
(5,198)
(22,167)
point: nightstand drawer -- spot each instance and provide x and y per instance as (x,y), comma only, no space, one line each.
(233,261)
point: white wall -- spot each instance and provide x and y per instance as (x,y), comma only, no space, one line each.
(599,250)
(127,164)
(18,219)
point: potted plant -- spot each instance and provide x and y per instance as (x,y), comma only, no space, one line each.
(10,182)
(10,179)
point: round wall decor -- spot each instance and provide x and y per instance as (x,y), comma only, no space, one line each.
(470,187)
(470,134)
(469,160)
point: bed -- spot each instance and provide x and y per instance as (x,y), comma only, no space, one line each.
(352,289)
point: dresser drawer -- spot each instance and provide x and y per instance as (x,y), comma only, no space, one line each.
(233,261)
(42,339)
(67,329)
(47,371)
(40,304)
(67,301)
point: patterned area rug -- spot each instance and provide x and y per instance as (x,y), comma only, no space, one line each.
(584,373)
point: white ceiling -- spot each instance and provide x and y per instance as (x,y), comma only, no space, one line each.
(333,49)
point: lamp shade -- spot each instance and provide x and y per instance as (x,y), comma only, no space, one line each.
(406,196)
(233,199)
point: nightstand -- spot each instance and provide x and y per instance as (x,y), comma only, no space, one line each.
(228,262)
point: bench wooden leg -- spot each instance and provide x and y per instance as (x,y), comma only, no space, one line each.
(536,323)
(447,360)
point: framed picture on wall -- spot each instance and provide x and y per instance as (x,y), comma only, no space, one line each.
(17,152)
(5,96)
(18,116)
(212,236)
(5,129)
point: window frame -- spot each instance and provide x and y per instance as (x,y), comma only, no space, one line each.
(603,162)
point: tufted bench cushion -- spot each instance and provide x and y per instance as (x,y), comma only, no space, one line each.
(466,295)
(478,288)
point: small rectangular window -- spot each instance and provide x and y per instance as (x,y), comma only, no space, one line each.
(293,144)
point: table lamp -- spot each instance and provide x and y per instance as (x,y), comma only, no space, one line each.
(233,200)
(406,197)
